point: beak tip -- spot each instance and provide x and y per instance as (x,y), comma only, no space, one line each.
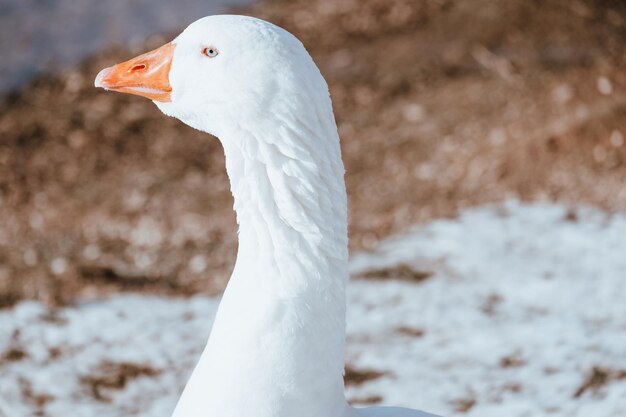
(99,82)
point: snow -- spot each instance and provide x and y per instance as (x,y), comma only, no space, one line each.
(523,303)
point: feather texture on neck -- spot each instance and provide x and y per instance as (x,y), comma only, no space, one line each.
(279,335)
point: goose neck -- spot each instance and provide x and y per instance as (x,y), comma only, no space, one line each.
(277,344)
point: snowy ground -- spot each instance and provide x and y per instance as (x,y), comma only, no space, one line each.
(513,311)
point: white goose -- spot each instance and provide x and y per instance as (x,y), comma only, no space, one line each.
(277,344)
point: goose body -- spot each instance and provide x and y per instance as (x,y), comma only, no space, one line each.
(277,345)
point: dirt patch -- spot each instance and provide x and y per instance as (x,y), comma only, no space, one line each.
(512,361)
(37,399)
(464,405)
(514,387)
(363,401)
(491,304)
(598,378)
(357,377)
(411,331)
(402,272)
(440,104)
(103,276)
(115,376)
(13,354)
(16,351)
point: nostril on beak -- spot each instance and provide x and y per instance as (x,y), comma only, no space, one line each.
(138,67)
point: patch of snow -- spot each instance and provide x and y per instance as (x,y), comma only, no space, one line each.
(523,303)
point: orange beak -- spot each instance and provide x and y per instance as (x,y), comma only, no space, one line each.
(146,75)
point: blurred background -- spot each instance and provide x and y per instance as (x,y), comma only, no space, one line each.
(442,106)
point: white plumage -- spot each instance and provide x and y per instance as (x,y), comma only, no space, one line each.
(277,345)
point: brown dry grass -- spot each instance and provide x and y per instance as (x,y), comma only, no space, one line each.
(440,104)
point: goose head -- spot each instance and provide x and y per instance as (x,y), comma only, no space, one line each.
(223,72)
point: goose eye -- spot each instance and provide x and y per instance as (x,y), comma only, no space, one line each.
(210,51)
